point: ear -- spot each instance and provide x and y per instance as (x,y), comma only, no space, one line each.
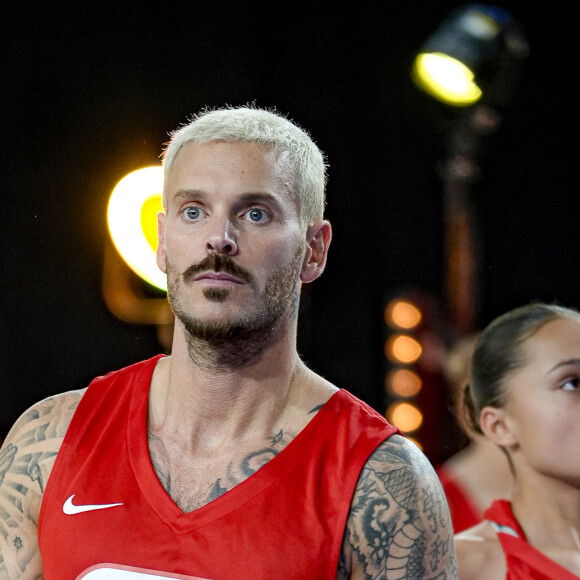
(497,427)
(318,237)
(161,255)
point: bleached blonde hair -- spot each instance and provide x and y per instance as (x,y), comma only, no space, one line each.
(250,124)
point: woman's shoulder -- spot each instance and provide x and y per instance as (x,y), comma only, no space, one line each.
(479,553)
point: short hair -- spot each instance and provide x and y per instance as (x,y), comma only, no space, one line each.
(499,352)
(250,124)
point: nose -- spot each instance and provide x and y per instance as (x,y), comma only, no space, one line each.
(222,239)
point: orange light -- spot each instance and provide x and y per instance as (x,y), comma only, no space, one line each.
(402,348)
(403,382)
(402,314)
(405,416)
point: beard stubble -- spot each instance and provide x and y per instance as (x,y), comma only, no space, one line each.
(236,339)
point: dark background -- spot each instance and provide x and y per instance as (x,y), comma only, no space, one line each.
(90,93)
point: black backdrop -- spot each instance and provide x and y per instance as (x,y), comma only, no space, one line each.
(89,93)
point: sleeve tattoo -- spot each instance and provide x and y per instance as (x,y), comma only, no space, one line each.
(26,460)
(399,525)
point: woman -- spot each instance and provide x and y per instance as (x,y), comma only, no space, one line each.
(524,396)
(474,476)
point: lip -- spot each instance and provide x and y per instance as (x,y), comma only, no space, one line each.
(217,278)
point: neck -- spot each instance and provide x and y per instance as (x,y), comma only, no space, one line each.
(548,511)
(483,472)
(201,389)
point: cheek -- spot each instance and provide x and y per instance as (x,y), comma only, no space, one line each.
(269,255)
(180,251)
(545,430)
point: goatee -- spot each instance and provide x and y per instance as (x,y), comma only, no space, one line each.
(237,339)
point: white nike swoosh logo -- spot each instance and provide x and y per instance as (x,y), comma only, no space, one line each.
(69,508)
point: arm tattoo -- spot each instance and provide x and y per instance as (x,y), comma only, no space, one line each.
(26,460)
(398,525)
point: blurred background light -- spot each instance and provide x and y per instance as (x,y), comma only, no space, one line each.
(405,416)
(403,349)
(402,313)
(403,382)
(446,78)
(132,219)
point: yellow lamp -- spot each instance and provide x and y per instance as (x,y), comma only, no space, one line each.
(466,43)
(446,79)
(132,219)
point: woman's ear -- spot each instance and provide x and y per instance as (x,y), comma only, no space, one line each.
(318,237)
(495,424)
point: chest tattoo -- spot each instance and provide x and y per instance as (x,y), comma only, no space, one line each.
(192,483)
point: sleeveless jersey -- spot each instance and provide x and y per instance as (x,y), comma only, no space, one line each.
(524,562)
(105,515)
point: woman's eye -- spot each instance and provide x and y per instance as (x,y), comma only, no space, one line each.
(570,384)
(256,215)
(192,213)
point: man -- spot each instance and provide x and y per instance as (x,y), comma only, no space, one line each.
(229,459)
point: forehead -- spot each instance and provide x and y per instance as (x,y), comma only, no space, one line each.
(219,165)
(554,342)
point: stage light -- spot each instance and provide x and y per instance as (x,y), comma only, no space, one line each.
(463,51)
(403,349)
(402,313)
(403,382)
(446,79)
(405,416)
(132,219)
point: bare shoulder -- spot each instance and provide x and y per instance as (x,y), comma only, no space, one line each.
(26,460)
(399,524)
(42,427)
(479,553)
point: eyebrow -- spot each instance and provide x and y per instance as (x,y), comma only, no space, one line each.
(572,361)
(190,194)
(260,196)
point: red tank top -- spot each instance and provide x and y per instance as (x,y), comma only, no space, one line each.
(524,562)
(105,515)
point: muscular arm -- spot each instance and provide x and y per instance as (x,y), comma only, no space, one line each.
(26,460)
(399,525)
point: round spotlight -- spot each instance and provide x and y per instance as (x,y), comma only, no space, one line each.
(402,313)
(132,219)
(404,349)
(446,79)
(405,416)
(403,383)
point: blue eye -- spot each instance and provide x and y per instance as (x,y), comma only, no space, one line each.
(256,215)
(192,213)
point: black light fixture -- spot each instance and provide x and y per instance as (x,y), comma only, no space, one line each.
(467,52)
(473,62)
